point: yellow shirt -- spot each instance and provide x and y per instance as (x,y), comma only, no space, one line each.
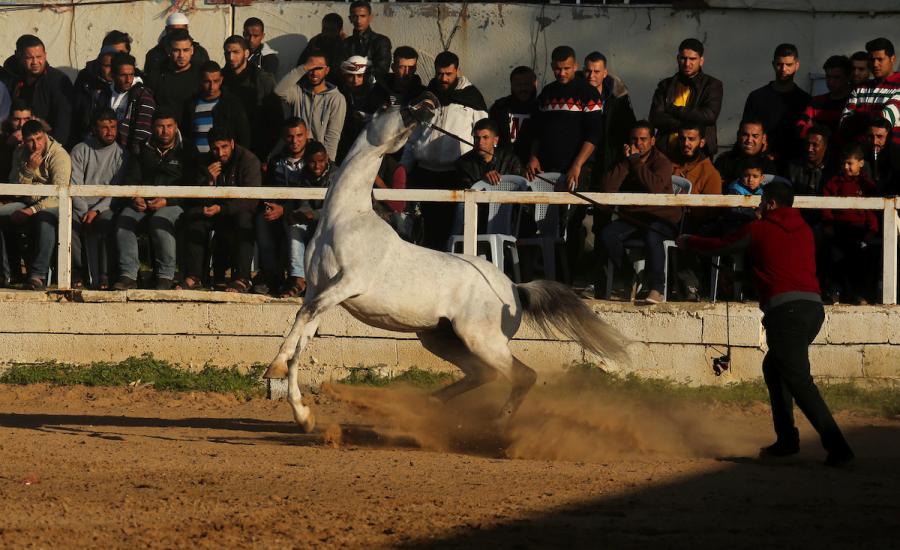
(682,95)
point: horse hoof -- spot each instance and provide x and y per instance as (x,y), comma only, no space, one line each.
(309,424)
(278,369)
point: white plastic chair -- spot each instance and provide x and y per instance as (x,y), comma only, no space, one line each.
(547,236)
(499,231)
(679,185)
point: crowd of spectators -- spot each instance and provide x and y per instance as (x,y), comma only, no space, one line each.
(184,119)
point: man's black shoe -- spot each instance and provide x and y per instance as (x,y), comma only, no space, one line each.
(839,459)
(125,283)
(780,449)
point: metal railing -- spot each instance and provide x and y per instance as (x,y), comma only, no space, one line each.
(470,199)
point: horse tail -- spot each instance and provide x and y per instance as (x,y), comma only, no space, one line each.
(553,308)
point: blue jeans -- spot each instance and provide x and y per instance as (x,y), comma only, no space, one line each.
(298,236)
(161,227)
(616,232)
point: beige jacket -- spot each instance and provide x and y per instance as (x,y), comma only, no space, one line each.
(56,169)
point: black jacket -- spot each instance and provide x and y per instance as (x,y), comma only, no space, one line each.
(471,168)
(157,57)
(228,112)
(90,91)
(515,120)
(391,90)
(703,107)
(173,91)
(254,88)
(333,48)
(49,96)
(376,47)
(618,118)
(242,170)
(150,167)
(885,169)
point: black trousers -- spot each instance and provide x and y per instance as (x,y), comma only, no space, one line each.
(233,243)
(438,217)
(790,329)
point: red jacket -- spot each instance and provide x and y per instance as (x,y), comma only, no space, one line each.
(851,186)
(782,252)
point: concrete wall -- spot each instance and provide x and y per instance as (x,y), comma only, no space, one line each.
(676,341)
(493,38)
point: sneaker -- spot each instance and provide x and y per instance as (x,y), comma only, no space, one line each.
(780,449)
(654,297)
(839,459)
(35,283)
(125,283)
(163,283)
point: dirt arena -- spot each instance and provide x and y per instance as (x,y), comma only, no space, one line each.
(126,467)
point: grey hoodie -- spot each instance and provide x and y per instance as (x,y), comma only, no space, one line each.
(323,113)
(96,164)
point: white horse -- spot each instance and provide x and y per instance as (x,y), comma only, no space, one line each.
(462,308)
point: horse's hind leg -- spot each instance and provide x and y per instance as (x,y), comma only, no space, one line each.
(444,343)
(302,414)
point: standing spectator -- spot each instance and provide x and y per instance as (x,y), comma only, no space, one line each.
(262,56)
(319,103)
(850,233)
(752,141)
(780,104)
(132,102)
(160,54)
(46,89)
(883,158)
(487,162)
(512,114)
(402,85)
(10,139)
(255,89)
(429,155)
(644,170)
(357,93)
(160,161)
(225,165)
(810,172)
(331,42)
(177,80)
(90,88)
(366,42)
(689,96)
(825,110)
(214,106)
(618,116)
(861,74)
(98,160)
(40,160)
(879,97)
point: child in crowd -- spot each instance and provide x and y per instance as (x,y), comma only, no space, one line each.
(749,184)
(850,233)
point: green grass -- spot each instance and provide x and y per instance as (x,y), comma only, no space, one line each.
(414,376)
(161,375)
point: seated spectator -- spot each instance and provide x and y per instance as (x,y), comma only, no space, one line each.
(883,158)
(644,170)
(512,114)
(262,56)
(429,155)
(213,106)
(159,55)
(487,162)
(367,43)
(160,161)
(132,102)
(850,233)
(810,172)
(308,95)
(301,216)
(752,141)
(402,85)
(878,97)
(392,175)
(255,89)
(284,170)
(92,82)
(176,81)
(39,160)
(10,139)
(330,42)
(98,160)
(689,96)
(46,89)
(749,184)
(618,115)
(861,74)
(357,91)
(825,110)
(779,105)
(225,165)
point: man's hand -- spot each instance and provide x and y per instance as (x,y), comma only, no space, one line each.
(139,204)
(273,211)
(89,217)
(21,216)
(682,241)
(492,177)
(533,168)
(215,170)
(310,65)
(156,204)
(210,211)
(34,161)
(572,177)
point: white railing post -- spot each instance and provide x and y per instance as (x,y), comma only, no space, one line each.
(64,234)
(889,253)
(470,223)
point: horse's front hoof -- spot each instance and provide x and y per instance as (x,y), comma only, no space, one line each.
(277,369)
(309,424)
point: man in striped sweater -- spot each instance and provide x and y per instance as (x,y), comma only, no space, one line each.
(880,97)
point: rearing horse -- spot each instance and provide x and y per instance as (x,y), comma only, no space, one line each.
(462,308)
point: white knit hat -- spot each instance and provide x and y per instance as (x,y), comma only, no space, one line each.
(177,18)
(356,64)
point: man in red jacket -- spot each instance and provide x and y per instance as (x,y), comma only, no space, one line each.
(784,268)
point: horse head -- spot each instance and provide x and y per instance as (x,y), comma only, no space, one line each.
(391,128)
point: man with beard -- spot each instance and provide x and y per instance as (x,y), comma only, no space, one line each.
(214,106)
(90,86)
(512,114)
(132,102)
(752,141)
(255,89)
(307,94)
(356,89)
(883,158)
(689,96)
(780,104)
(176,82)
(159,54)
(402,85)
(330,42)
(879,97)
(429,155)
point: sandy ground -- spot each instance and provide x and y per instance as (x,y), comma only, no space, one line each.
(100,467)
